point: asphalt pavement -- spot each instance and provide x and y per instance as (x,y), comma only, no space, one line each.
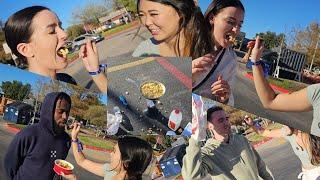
(127,74)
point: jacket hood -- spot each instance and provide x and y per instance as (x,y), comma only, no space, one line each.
(47,110)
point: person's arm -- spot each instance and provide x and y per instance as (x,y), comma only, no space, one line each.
(193,166)
(90,57)
(272,133)
(93,167)
(296,101)
(16,152)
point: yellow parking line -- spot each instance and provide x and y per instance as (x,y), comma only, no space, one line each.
(129,65)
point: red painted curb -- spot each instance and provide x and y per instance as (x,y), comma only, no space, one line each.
(256,145)
(277,88)
(97,148)
(12,129)
(184,79)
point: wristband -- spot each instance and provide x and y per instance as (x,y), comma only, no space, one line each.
(79,144)
(102,67)
(255,63)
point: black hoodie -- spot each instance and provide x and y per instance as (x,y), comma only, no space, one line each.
(33,150)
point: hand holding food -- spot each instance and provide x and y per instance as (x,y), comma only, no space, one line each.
(75,130)
(62,166)
(257,49)
(90,57)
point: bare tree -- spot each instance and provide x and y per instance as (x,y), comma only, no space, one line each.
(90,13)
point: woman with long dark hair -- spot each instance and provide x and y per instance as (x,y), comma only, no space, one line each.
(214,77)
(34,34)
(130,158)
(177,27)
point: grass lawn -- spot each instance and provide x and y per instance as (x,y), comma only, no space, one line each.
(254,137)
(285,83)
(119,29)
(97,142)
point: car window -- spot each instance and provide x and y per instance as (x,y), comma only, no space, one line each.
(79,39)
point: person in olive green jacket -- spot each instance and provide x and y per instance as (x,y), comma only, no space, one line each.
(224,156)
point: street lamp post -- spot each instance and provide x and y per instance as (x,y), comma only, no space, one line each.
(314,53)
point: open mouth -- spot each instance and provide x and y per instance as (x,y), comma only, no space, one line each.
(63,52)
(230,38)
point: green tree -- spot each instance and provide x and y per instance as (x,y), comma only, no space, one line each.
(89,14)
(16,90)
(129,4)
(271,39)
(75,31)
(305,40)
(97,115)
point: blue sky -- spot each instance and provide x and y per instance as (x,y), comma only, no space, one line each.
(275,15)
(261,15)
(63,8)
(9,73)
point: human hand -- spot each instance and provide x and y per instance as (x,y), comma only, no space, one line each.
(201,64)
(90,58)
(75,130)
(221,89)
(257,50)
(69,176)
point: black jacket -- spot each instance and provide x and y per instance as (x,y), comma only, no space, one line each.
(33,150)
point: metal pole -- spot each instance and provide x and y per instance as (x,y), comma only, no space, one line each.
(276,73)
(314,53)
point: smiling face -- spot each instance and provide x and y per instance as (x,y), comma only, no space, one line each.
(161,20)
(226,24)
(219,124)
(47,38)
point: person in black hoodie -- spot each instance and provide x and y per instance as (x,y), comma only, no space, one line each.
(33,150)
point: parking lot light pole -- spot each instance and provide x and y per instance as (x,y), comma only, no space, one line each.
(314,53)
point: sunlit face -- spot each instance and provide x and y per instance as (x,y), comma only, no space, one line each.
(115,161)
(226,23)
(47,38)
(61,113)
(219,124)
(161,20)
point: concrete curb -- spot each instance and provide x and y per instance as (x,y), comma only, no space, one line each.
(277,88)
(16,130)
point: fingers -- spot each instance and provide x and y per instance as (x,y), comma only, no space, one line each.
(219,77)
(94,46)
(198,70)
(82,51)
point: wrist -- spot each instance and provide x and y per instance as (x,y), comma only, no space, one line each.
(98,70)
(255,62)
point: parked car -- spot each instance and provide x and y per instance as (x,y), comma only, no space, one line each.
(80,40)
(111,25)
